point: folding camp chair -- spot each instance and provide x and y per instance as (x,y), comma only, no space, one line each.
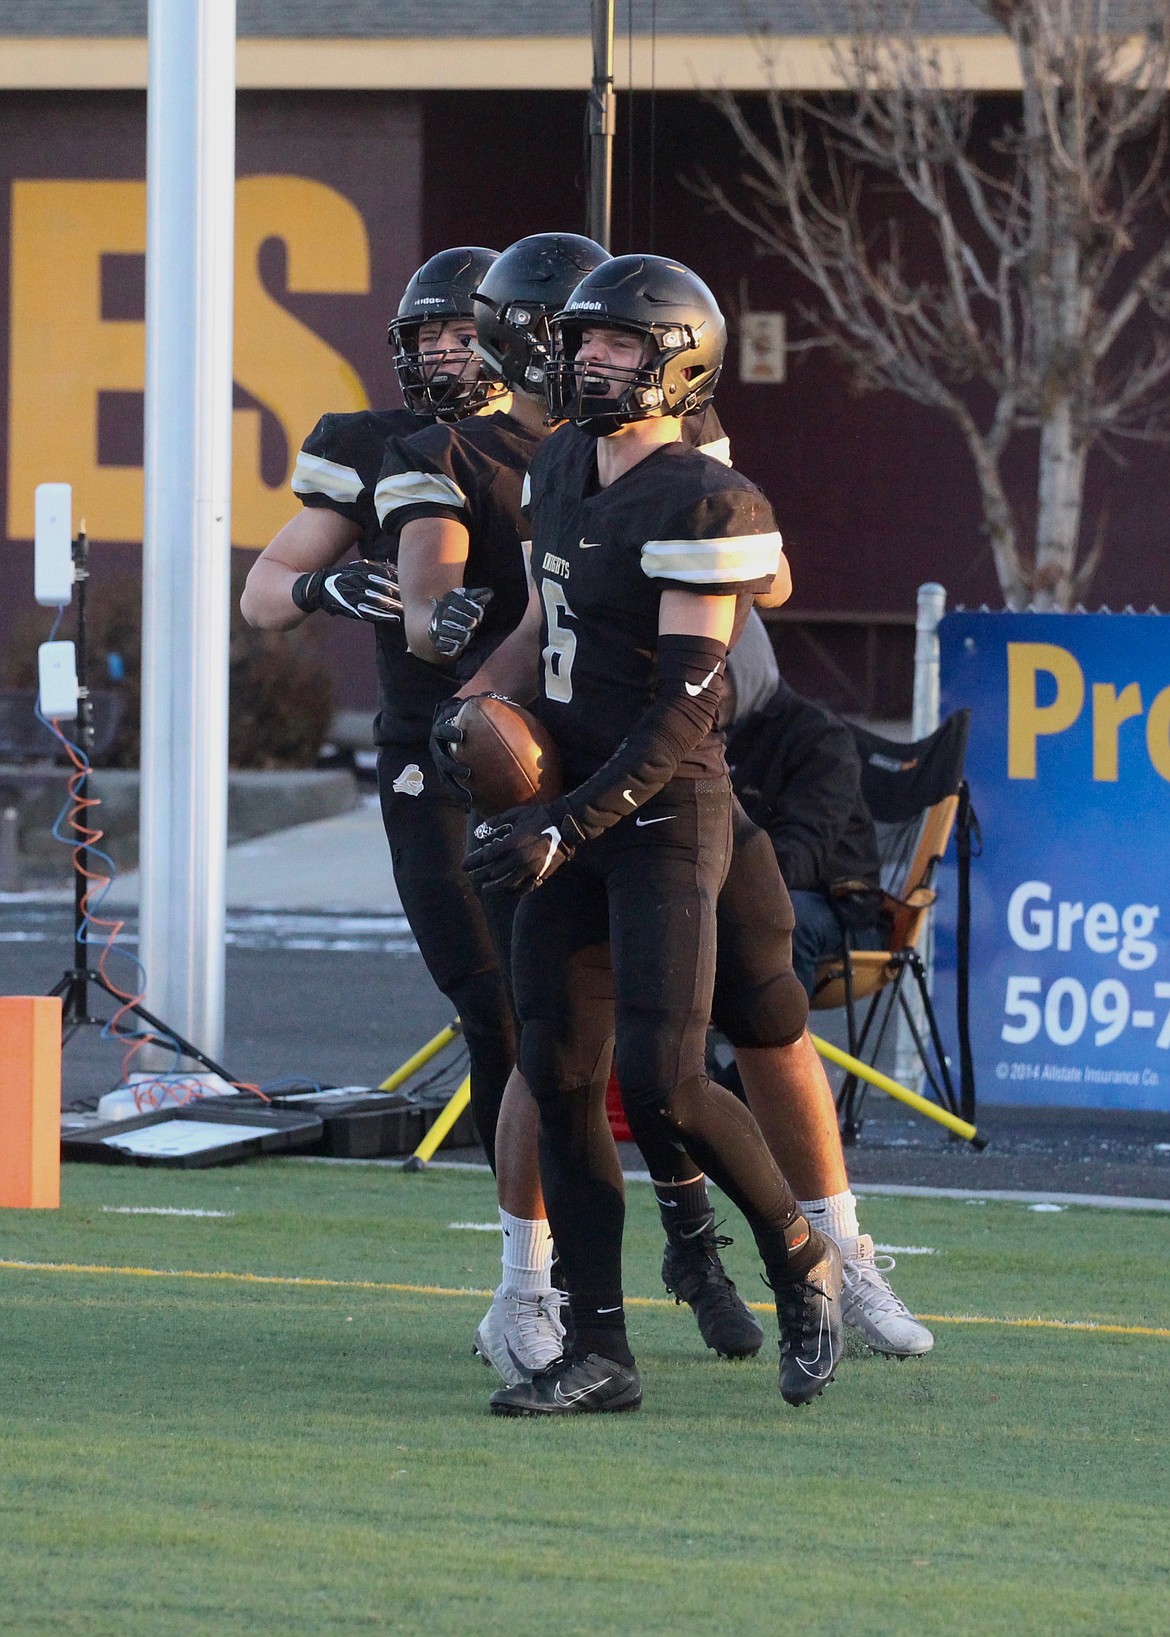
(915,792)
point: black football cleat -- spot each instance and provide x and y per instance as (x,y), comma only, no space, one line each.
(573,1386)
(693,1273)
(811,1335)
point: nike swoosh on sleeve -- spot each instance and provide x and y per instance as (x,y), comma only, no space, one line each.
(696,688)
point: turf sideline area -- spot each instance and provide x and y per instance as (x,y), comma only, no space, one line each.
(276,1424)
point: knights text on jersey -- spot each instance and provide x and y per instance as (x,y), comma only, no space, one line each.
(601,559)
(472,472)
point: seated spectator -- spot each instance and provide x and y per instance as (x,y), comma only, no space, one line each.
(796,769)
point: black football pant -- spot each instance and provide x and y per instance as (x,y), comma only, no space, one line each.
(427,833)
(621,942)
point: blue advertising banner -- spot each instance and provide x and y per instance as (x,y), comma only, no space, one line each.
(1069,768)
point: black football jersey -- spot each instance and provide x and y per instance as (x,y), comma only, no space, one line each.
(704,431)
(340,460)
(472,472)
(338,468)
(601,559)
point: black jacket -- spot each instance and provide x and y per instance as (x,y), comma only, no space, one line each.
(797,771)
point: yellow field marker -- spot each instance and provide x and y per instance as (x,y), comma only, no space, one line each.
(422,1057)
(455,1106)
(293,1281)
(921,1105)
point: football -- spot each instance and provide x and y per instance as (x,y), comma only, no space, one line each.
(511,756)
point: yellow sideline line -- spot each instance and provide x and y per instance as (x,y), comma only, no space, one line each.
(455,1290)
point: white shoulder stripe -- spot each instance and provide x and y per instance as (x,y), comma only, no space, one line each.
(526,493)
(743,557)
(416,489)
(718,449)
(314,475)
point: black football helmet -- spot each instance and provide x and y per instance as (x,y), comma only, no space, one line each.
(656,298)
(518,295)
(432,383)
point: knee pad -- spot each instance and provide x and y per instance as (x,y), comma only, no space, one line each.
(647,1064)
(680,1106)
(773,1014)
(484,1009)
(554,1064)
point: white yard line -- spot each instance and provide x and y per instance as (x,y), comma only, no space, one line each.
(159,1210)
(1103,1202)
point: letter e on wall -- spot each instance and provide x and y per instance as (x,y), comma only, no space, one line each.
(66,353)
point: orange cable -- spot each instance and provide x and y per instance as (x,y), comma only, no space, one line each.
(89,837)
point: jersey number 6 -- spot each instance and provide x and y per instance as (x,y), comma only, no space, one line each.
(561,646)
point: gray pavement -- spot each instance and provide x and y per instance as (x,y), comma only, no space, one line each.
(325,984)
(324,980)
(331,866)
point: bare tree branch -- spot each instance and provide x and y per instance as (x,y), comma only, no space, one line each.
(1032,257)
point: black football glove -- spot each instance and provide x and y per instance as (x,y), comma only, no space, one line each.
(455,618)
(519,849)
(445,735)
(359,591)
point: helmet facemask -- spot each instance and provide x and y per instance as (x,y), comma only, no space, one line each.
(669,381)
(435,381)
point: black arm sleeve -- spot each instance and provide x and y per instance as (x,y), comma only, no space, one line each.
(686,699)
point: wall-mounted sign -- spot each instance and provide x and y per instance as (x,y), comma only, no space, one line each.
(763,347)
(72,242)
(1069,768)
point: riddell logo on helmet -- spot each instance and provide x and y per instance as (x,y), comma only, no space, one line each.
(432,301)
(586,306)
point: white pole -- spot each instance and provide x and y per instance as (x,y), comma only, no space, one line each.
(932,605)
(190,223)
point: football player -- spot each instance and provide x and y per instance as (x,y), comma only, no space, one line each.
(451,495)
(758,1004)
(303,570)
(644,552)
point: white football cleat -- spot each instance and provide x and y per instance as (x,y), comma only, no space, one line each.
(871,1309)
(521,1334)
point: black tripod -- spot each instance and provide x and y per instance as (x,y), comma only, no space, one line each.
(73,985)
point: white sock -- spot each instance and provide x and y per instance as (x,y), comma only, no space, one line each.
(835,1216)
(527,1254)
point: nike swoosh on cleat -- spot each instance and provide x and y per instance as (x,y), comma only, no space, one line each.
(582,1392)
(641,823)
(524,1370)
(695,689)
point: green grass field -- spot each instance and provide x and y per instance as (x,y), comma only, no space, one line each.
(185,1455)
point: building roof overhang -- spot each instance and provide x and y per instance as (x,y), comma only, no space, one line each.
(678,62)
(493,44)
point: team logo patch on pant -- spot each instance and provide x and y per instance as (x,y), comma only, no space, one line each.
(410,781)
